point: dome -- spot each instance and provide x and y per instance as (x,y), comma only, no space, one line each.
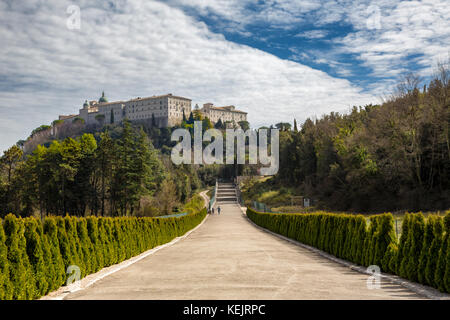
(103,98)
(86,104)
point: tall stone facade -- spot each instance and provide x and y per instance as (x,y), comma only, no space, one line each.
(226,114)
(166,110)
(163,111)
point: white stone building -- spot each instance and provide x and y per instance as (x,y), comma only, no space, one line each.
(226,114)
(166,111)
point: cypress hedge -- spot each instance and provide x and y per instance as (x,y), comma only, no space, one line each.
(421,254)
(34,256)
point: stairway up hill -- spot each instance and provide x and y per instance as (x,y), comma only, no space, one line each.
(226,193)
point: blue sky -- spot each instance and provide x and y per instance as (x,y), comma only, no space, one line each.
(276,59)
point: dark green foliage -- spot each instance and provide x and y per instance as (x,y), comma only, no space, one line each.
(20,271)
(56,263)
(5,286)
(34,257)
(433,252)
(404,246)
(417,227)
(439,276)
(35,251)
(423,259)
(383,239)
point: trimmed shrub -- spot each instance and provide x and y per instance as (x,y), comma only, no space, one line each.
(35,252)
(20,271)
(439,276)
(383,238)
(56,263)
(423,244)
(417,227)
(34,256)
(428,237)
(404,246)
(433,252)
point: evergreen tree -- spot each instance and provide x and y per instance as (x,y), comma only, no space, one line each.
(191,118)
(219,124)
(439,276)
(35,251)
(427,239)
(295,126)
(433,252)
(5,285)
(58,277)
(20,271)
(417,231)
(105,159)
(112,117)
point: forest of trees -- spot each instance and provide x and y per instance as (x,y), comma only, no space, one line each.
(392,156)
(388,157)
(107,175)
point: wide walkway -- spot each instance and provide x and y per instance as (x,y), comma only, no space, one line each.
(229,258)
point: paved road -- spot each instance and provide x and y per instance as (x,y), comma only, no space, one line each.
(229,258)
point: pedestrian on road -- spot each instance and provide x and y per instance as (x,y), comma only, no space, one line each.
(212,210)
(218,210)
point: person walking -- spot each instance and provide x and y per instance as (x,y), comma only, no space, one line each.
(212,210)
(218,210)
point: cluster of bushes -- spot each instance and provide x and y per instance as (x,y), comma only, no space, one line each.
(421,254)
(34,256)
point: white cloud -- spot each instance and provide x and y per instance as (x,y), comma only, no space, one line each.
(407,29)
(143,48)
(312,34)
(384,45)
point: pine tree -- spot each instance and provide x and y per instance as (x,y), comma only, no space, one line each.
(219,124)
(112,117)
(191,118)
(105,158)
(295,126)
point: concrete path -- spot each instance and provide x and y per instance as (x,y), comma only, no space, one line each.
(229,258)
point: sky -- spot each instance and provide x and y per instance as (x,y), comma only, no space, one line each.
(275,59)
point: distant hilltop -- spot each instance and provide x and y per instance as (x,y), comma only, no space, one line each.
(161,111)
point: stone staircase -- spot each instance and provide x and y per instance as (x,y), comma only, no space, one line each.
(226,193)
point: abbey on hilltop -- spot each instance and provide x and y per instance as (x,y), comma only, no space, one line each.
(162,111)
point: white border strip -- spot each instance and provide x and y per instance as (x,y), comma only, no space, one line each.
(426,291)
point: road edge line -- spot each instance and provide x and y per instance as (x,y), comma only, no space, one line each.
(420,289)
(90,279)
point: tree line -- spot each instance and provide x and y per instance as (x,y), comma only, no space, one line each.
(104,174)
(391,156)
